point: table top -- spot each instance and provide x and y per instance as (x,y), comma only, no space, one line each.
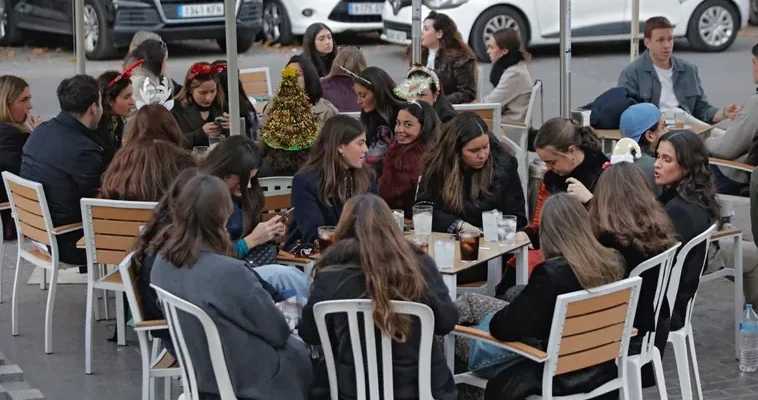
(615,134)
(487,251)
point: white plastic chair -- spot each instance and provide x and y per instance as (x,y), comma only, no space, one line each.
(520,154)
(154,365)
(650,353)
(33,222)
(3,206)
(171,305)
(110,229)
(589,327)
(353,114)
(682,339)
(352,308)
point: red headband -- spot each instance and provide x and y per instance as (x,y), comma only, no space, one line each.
(126,74)
(206,69)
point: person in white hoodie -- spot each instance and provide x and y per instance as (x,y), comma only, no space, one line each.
(735,144)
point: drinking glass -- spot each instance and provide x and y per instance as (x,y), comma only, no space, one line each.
(200,151)
(469,242)
(422,220)
(215,140)
(489,225)
(506,229)
(444,253)
(325,237)
(679,119)
(399,218)
(421,241)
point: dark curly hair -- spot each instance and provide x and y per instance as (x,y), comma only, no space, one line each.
(696,186)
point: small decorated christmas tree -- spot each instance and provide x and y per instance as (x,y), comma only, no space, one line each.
(290,124)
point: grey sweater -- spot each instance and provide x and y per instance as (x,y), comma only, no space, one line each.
(263,359)
(735,144)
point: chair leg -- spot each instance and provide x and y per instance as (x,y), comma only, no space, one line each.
(682,365)
(146,362)
(14,300)
(120,319)
(633,381)
(88,326)
(42,279)
(698,389)
(660,380)
(153,388)
(103,272)
(50,308)
(2,266)
(167,388)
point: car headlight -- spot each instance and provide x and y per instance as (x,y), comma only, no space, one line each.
(443,4)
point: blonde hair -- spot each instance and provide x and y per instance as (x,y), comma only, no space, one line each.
(565,231)
(350,58)
(10,88)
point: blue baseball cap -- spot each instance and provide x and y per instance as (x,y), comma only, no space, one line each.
(638,119)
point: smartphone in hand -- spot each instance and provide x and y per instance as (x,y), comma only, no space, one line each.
(285,219)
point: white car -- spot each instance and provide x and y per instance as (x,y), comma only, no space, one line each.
(285,19)
(709,25)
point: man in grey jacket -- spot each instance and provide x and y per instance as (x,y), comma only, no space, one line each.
(735,144)
(669,82)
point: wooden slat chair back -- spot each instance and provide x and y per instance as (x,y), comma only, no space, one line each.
(278,192)
(354,307)
(591,327)
(34,222)
(257,82)
(154,364)
(111,228)
(489,112)
(172,305)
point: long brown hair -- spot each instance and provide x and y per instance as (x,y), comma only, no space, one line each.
(155,122)
(143,171)
(624,206)
(327,162)
(199,222)
(445,167)
(392,269)
(452,46)
(154,234)
(11,87)
(565,231)
(192,80)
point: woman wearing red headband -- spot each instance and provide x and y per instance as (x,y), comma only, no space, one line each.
(116,91)
(199,106)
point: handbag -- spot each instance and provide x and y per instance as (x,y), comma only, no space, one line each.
(486,360)
(263,254)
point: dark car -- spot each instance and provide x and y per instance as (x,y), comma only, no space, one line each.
(110,24)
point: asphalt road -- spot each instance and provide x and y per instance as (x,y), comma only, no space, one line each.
(595,67)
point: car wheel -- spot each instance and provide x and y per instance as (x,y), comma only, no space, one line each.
(491,21)
(244,42)
(713,26)
(753,12)
(276,23)
(10,35)
(97,37)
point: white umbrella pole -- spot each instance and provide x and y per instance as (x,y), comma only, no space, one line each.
(230,13)
(81,55)
(565,81)
(634,51)
(416,31)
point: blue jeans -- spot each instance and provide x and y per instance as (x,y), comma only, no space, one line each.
(289,280)
(725,185)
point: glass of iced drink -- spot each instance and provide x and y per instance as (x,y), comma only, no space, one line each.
(469,242)
(399,218)
(325,237)
(506,229)
(444,253)
(422,220)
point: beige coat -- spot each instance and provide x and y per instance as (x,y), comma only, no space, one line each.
(513,92)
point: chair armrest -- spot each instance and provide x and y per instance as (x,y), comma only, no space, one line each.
(731,164)
(516,347)
(59,230)
(724,233)
(291,258)
(5,206)
(151,325)
(509,122)
(81,243)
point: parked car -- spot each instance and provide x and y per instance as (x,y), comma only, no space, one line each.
(110,24)
(283,20)
(709,25)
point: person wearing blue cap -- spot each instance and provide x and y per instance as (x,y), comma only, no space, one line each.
(644,124)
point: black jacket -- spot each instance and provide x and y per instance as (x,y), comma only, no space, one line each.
(341,279)
(68,160)
(445,110)
(506,194)
(457,76)
(530,316)
(191,122)
(110,133)
(689,219)
(12,142)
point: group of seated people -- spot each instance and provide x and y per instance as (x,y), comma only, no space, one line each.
(208,243)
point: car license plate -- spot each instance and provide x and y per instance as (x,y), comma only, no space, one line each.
(201,10)
(365,8)
(396,36)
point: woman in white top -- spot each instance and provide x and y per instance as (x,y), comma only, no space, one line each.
(510,75)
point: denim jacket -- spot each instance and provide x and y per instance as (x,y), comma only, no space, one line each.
(640,77)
